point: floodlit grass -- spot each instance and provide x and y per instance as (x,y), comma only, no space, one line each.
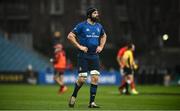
(45,97)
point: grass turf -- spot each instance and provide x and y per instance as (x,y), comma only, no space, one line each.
(45,97)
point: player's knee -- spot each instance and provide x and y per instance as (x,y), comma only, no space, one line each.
(130,77)
(82,77)
(94,75)
(81,80)
(94,79)
(56,77)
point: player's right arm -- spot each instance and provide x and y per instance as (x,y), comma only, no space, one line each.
(118,60)
(72,38)
(118,57)
(132,62)
(134,65)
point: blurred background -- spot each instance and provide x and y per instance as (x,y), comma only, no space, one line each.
(28,26)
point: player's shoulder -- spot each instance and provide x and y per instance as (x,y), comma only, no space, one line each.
(128,52)
(98,24)
(123,48)
(81,23)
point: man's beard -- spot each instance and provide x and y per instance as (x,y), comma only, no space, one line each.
(95,19)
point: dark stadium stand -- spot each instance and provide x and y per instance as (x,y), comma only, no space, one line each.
(15,58)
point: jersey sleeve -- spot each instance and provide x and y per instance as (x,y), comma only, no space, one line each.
(121,51)
(77,29)
(131,58)
(102,31)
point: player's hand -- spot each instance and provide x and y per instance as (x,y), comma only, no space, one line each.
(135,66)
(83,48)
(98,49)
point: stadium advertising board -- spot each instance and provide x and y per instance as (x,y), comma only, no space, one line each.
(12,77)
(18,77)
(106,78)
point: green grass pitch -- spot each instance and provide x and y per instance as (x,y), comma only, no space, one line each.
(45,97)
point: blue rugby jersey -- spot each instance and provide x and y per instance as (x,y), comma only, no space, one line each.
(89,35)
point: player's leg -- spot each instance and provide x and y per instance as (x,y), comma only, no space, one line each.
(128,79)
(123,82)
(94,67)
(59,80)
(56,77)
(93,88)
(78,85)
(132,85)
(82,76)
(63,88)
(126,85)
(81,79)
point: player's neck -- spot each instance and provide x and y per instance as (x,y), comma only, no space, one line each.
(90,21)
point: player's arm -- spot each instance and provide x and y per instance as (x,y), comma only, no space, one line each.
(72,38)
(102,43)
(132,62)
(135,66)
(56,56)
(118,60)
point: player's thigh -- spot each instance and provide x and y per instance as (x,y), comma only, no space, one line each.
(93,64)
(121,70)
(58,73)
(81,79)
(127,71)
(82,69)
(82,64)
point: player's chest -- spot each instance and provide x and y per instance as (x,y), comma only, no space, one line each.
(91,31)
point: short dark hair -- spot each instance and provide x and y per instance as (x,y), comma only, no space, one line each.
(130,45)
(90,11)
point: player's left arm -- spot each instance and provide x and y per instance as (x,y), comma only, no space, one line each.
(133,64)
(56,56)
(102,43)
